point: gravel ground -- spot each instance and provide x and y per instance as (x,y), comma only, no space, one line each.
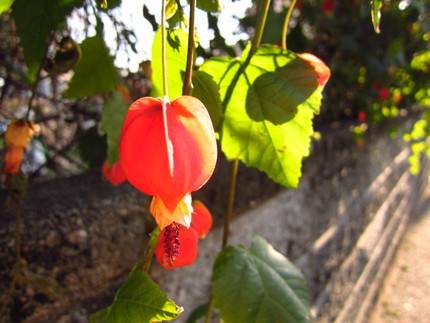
(405,296)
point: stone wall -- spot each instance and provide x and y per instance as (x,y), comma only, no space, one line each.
(341,227)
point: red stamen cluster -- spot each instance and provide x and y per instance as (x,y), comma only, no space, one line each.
(171,243)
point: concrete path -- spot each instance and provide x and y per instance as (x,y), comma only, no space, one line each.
(405,296)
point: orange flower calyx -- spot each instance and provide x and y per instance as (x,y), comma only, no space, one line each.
(19,132)
(17,136)
(182,214)
(168,150)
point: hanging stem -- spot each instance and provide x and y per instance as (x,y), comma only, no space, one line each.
(190,54)
(260,26)
(163,49)
(152,244)
(38,76)
(286,23)
(230,200)
(235,163)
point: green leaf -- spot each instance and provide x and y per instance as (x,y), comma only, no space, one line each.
(114,112)
(35,21)
(171,8)
(139,299)
(176,55)
(198,313)
(108,4)
(258,285)
(92,148)
(269,103)
(95,73)
(207,91)
(376,14)
(5,5)
(210,5)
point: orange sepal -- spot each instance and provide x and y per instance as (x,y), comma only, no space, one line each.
(164,216)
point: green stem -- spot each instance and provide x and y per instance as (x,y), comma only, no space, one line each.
(260,26)
(286,23)
(190,54)
(163,49)
(38,76)
(152,244)
(230,202)
(235,164)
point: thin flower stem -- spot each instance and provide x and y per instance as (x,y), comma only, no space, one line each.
(260,26)
(163,49)
(286,23)
(38,77)
(235,163)
(190,54)
(230,202)
(152,244)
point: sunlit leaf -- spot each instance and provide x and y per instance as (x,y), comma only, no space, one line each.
(171,8)
(258,285)
(139,299)
(5,5)
(211,5)
(108,4)
(35,21)
(176,55)
(206,90)
(95,73)
(269,104)
(114,111)
(376,14)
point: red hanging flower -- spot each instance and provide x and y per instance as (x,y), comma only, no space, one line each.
(17,136)
(320,68)
(168,150)
(202,219)
(114,174)
(177,246)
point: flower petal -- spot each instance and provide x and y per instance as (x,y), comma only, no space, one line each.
(13,159)
(114,174)
(177,246)
(202,219)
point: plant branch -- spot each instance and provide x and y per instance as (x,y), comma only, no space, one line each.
(190,54)
(230,201)
(38,76)
(163,48)
(152,244)
(260,26)
(286,23)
